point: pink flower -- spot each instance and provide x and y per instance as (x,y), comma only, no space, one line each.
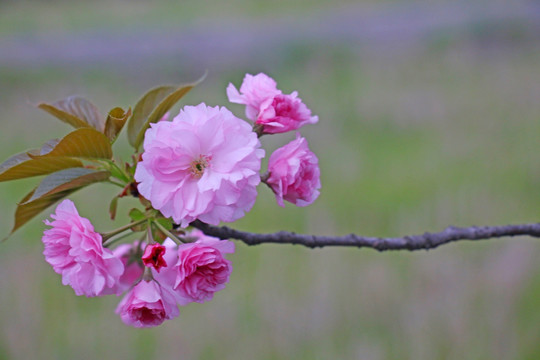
(203,165)
(294,173)
(271,110)
(257,91)
(147,304)
(153,256)
(202,269)
(285,113)
(75,251)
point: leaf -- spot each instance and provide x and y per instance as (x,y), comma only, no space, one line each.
(28,210)
(151,108)
(68,179)
(76,111)
(136,214)
(82,143)
(48,146)
(112,207)
(63,116)
(57,155)
(26,165)
(115,122)
(165,222)
(142,110)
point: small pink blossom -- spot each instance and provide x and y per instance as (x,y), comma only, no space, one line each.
(147,304)
(153,256)
(285,113)
(256,91)
(75,251)
(268,107)
(202,269)
(202,165)
(294,173)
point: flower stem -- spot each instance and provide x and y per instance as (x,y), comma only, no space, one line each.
(164,230)
(106,236)
(109,242)
(265,177)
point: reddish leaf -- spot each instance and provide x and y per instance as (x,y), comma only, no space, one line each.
(115,122)
(68,179)
(151,108)
(76,111)
(27,211)
(57,155)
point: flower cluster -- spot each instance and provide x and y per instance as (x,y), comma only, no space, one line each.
(164,277)
(293,170)
(204,165)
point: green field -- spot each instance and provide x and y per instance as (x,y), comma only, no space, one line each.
(408,141)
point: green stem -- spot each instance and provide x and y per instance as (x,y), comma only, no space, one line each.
(112,241)
(164,230)
(122,175)
(150,237)
(116,183)
(106,236)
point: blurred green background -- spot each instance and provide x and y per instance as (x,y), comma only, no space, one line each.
(429,116)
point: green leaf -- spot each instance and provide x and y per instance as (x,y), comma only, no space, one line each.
(142,110)
(136,214)
(166,223)
(84,143)
(151,108)
(113,207)
(76,111)
(115,122)
(68,179)
(28,210)
(26,165)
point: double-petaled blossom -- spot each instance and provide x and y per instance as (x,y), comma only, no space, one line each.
(270,109)
(201,268)
(147,304)
(203,165)
(293,173)
(75,251)
(196,271)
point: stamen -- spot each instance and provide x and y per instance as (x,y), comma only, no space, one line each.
(198,166)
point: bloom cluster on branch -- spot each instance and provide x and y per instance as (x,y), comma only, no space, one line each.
(204,165)
(197,170)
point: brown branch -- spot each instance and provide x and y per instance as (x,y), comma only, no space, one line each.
(424,241)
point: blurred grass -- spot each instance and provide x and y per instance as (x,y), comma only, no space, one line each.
(27,17)
(446,135)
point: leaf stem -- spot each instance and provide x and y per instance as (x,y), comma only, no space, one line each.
(116,183)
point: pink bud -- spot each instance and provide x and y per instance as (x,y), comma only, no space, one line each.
(153,256)
(294,173)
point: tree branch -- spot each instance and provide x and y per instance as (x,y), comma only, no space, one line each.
(424,241)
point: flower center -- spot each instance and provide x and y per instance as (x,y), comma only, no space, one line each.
(198,166)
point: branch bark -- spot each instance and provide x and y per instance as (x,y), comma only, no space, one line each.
(424,241)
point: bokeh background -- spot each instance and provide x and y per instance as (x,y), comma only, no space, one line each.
(429,116)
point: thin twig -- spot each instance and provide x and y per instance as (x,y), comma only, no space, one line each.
(424,241)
